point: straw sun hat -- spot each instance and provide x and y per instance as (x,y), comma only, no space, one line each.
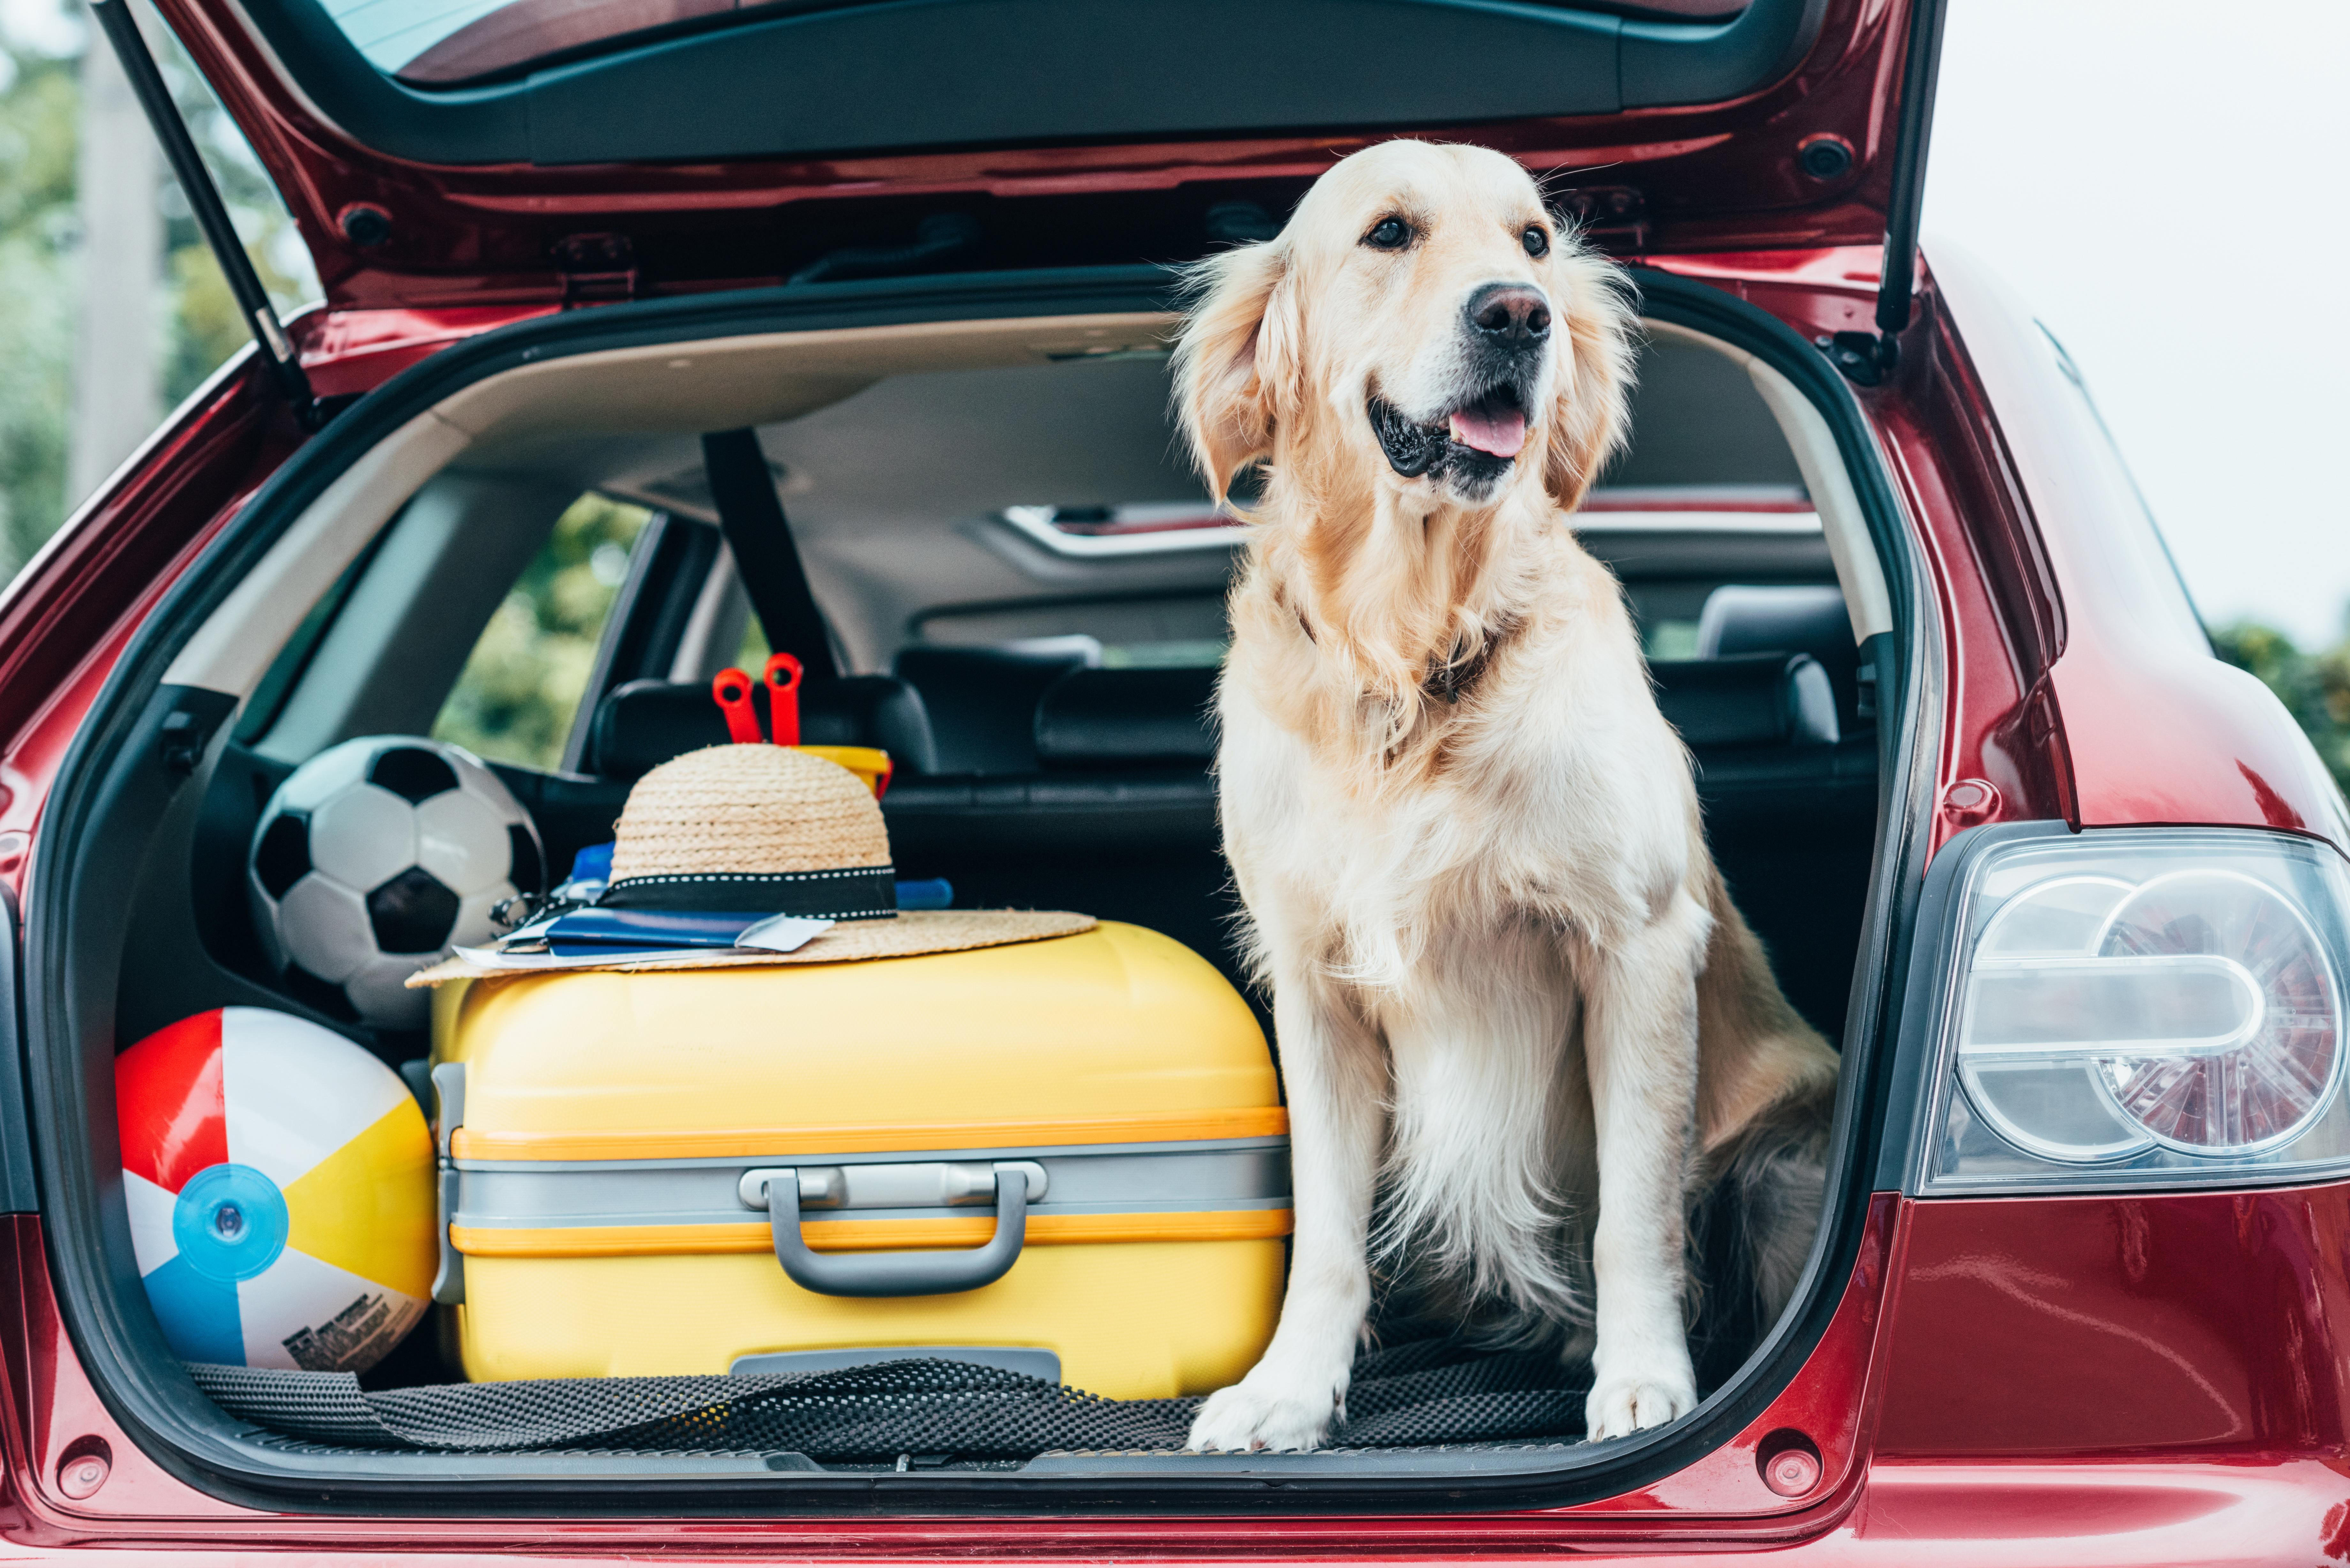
(771,830)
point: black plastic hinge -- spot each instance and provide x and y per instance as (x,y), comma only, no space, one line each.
(319,412)
(182,740)
(597,269)
(1865,357)
(1612,217)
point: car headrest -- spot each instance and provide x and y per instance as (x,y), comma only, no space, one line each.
(1738,618)
(1785,617)
(982,702)
(1128,718)
(1747,700)
(645,723)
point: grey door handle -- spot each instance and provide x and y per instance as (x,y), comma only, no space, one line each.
(912,1273)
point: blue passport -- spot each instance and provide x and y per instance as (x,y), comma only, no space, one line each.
(593,931)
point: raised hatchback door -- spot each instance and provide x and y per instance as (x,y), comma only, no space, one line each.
(439,154)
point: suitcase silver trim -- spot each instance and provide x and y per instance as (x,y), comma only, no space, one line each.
(1166,1179)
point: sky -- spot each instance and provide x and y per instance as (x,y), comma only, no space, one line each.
(2164,189)
(43,25)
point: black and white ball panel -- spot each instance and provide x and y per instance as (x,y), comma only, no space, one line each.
(464,840)
(413,913)
(375,857)
(415,773)
(363,836)
(281,857)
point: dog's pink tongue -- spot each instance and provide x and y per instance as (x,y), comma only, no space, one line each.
(1502,434)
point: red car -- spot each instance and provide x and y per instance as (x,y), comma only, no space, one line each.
(2068,891)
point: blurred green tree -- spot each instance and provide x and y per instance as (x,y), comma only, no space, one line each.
(2314,687)
(39,105)
(522,684)
(40,113)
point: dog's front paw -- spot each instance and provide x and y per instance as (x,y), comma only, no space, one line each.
(1625,1404)
(1287,1415)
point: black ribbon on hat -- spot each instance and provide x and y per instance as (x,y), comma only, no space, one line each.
(850,893)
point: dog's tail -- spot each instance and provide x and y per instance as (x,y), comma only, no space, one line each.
(1750,1228)
(1773,1184)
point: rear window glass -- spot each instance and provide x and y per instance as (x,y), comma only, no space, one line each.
(437,42)
(521,687)
(1119,634)
(402,36)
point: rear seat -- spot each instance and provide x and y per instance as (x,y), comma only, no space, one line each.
(982,702)
(1793,826)
(1124,722)
(1786,617)
(1126,718)
(646,723)
(1115,814)
(1123,760)
(1752,700)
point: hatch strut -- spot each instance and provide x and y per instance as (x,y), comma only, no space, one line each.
(1863,357)
(212,214)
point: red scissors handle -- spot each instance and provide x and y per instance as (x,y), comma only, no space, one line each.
(731,688)
(784,697)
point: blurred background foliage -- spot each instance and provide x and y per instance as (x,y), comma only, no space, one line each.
(39,101)
(521,687)
(196,322)
(2315,687)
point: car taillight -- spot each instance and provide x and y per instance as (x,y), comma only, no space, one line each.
(2141,1007)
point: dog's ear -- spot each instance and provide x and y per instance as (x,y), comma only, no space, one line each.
(1593,373)
(1236,359)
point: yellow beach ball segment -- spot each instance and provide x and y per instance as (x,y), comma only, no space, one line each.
(280,1184)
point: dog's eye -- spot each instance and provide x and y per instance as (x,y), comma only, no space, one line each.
(1536,240)
(1388,235)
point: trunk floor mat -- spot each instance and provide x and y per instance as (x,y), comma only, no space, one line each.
(1440,1391)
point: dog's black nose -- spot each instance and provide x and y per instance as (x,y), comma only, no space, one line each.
(1511,313)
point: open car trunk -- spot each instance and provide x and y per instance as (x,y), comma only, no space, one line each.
(1032,524)
(474,154)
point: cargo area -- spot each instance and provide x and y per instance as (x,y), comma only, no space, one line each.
(1025,587)
(1017,594)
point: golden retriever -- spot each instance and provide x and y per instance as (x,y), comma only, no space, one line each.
(1509,993)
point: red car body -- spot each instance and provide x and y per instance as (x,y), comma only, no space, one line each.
(2097,1378)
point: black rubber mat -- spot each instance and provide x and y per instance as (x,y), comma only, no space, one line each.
(1430,1392)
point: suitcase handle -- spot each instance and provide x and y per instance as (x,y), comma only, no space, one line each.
(912,1273)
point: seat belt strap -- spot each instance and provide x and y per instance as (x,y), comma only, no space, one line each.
(752,517)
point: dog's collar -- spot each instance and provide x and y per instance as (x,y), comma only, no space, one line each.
(1452,678)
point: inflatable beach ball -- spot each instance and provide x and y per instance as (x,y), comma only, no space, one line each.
(281,1187)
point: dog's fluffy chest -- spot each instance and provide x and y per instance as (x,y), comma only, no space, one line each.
(1556,794)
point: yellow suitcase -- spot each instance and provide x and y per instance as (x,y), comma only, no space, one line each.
(1073,1146)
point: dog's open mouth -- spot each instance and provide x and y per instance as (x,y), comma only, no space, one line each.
(1493,424)
(1480,437)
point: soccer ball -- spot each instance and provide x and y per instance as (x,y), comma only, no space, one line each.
(374,858)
